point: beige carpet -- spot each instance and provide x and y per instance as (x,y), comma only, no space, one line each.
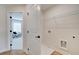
(14,52)
(56,53)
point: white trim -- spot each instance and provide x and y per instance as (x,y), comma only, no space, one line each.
(4,50)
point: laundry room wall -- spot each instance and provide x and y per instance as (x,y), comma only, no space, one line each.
(61,24)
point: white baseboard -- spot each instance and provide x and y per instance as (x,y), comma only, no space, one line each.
(4,50)
(27,52)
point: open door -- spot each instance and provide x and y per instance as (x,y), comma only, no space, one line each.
(15,35)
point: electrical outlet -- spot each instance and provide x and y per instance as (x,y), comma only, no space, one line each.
(63,44)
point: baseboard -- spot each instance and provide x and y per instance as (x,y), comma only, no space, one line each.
(4,50)
(26,51)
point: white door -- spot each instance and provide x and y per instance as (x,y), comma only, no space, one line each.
(34,28)
(16,40)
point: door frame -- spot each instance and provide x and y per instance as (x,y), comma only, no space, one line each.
(8,26)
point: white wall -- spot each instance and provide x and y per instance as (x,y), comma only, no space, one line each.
(3,29)
(63,21)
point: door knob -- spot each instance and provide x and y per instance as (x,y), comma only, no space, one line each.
(38,36)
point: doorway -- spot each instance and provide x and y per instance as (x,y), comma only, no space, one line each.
(15,30)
